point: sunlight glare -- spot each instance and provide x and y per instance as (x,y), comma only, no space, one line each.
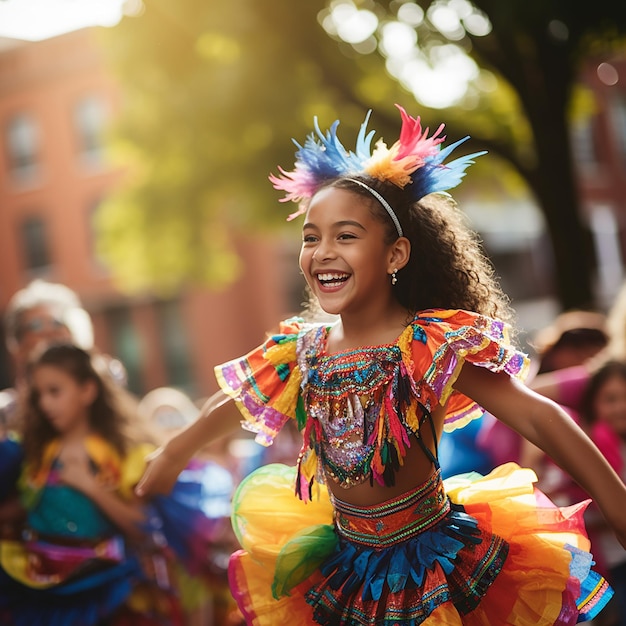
(353,25)
(444,19)
(477,24)
(398,40)
(412,14)
(34,20)
(442,82)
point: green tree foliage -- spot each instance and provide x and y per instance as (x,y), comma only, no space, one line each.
(212,90)
(211,93)
(535,49)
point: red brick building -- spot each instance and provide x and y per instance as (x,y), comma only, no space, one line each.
(56,96)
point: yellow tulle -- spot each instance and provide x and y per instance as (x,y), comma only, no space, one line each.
(266,611)
(267,514)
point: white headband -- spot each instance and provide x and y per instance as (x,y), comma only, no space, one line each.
(386,205)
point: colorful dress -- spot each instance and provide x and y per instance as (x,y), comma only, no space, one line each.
(470,550)
(73,567)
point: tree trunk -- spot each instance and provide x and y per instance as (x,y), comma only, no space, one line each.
(554,184)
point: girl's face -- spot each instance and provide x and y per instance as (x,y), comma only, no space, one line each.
(610,404)
(62,399)
(344,257)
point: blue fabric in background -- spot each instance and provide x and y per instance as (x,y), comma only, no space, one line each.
(11,455)
(460,453)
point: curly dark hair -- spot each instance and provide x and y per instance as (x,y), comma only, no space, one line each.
(447,268)
(111,413)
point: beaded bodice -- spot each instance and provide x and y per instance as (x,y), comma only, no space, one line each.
(343,392)
(358,410)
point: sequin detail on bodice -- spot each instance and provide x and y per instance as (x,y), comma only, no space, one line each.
(344,393)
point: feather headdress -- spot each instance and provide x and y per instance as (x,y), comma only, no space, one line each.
(415,159)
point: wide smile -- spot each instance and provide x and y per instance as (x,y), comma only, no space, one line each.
(331,281)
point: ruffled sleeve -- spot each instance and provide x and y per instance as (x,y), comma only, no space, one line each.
(265,383)
(443,340)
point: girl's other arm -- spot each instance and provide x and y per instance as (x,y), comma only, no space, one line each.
(545,424)
(219,417)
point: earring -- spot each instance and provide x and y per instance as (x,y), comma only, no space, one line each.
(394,278)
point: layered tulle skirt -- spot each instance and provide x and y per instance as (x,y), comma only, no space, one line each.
(471,550)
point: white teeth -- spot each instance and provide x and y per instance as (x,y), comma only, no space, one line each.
(331,277)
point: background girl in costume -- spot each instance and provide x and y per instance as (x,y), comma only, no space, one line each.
(374,536)
(75,564)
(90,551)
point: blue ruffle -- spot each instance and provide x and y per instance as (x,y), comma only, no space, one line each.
(189,518)
(589,602)
(404,565)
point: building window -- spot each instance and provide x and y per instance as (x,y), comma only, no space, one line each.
(89,121)
(35,243)
(92,236)
(126,346)
(22,142)
(174,343)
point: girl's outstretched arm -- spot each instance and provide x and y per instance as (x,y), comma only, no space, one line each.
(545,424)
(219,417)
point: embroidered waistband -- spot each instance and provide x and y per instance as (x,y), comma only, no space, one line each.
(394,520)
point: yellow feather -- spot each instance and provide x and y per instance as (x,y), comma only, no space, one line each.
(384,165)
(411,418)
(308,466)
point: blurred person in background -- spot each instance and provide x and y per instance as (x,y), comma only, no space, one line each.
(90,553)
(44,314)
(568,342)
(571,340)
(603,414)
(41,312)
(566,349)
(206,599)
(566,385)
(86,554)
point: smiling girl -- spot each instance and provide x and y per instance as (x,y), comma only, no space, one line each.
(364,531)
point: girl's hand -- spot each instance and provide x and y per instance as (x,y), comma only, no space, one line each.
(217,419)
(77,473)
(160,474)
